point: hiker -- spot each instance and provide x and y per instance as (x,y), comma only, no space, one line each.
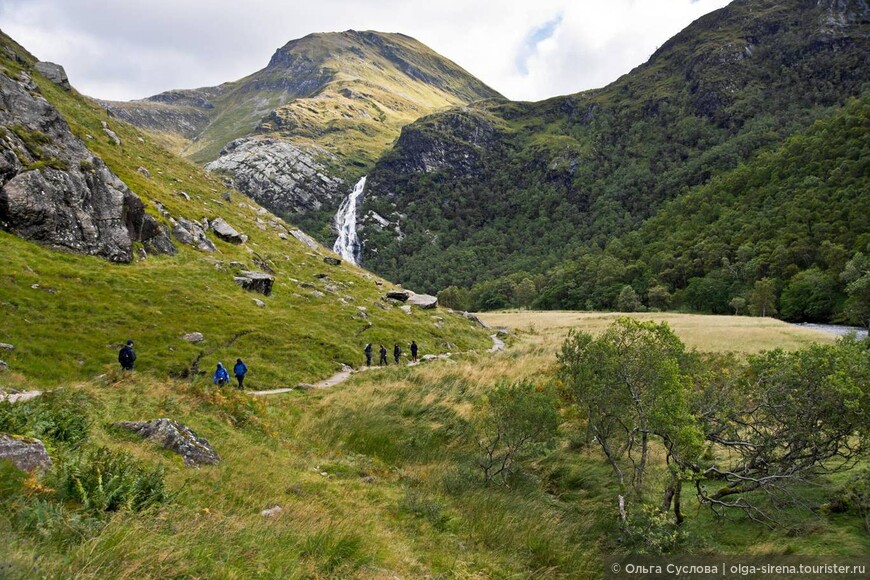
(221,377)
(126,356)
(397,352)
(413,351)
(368,351)
(240,370)
(383,351)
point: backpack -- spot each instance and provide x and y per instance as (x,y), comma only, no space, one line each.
(125,357)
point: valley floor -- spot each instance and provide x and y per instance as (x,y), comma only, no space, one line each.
(377,477)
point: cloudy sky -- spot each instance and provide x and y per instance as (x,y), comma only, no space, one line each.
(526,49)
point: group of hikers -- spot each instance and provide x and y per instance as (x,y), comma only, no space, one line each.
(127,356)
(397,353)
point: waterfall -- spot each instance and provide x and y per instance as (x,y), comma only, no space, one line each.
(347,244)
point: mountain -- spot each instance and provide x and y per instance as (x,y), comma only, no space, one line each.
(105,235)
(497,190)
(297,134)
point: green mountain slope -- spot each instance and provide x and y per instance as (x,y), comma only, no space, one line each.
(499,188)
(66,313)
(330,102)
(794,215)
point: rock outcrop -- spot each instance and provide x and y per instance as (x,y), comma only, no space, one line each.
(176,437)
(26,454)
(226,232)
(55,73)
(192,234)
(56,192)
(255,281)
(424,301)
(280,175)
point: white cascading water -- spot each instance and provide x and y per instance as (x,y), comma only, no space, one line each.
(347,244)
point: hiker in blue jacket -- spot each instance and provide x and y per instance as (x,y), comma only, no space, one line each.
(221,377)
(240,370)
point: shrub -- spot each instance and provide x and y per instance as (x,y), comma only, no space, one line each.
(56,417)
(512,421)
(649,530)
(107,481)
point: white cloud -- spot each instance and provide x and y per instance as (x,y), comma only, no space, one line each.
(125,49)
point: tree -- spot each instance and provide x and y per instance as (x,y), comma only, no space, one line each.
(762,301)
(790,418)
(632,389)
(511,421)
(810,295)
(856,275)
(627,300)
(455,298)
(524,293)
(738,303)
(658,297)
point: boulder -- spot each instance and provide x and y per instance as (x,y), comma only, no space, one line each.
(3,366)
(332,261)
(144,171)
(400,295)
(55,73)
(272,512)
(424,301)
(406,308)
(112,135)
(191,233)
(176,437)
(73,201)
(5,346)
(255,281)
(193,337)
(474,318)
(24,453)
(304,238)
(226,232)
(259,303)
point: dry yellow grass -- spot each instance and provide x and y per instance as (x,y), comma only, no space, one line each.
(740,334)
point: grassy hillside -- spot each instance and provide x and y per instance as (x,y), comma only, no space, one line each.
(375,478)
(66,314)
(501,189)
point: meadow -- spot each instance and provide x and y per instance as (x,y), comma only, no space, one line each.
(377,477)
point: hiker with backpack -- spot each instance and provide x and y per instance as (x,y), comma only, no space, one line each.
(240,370)
(413,351)
(368,351)
(383,361)
(221,377)
(397,352)
(126,356)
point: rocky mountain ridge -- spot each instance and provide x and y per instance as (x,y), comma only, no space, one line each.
(295,134)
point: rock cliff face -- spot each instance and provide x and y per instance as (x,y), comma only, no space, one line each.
(278,174)
(55,192)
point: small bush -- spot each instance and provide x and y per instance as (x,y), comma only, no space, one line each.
(334,549)
(649,530)
(59,416)
(424,505)
(107,481)
(55,523)
(512,422)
